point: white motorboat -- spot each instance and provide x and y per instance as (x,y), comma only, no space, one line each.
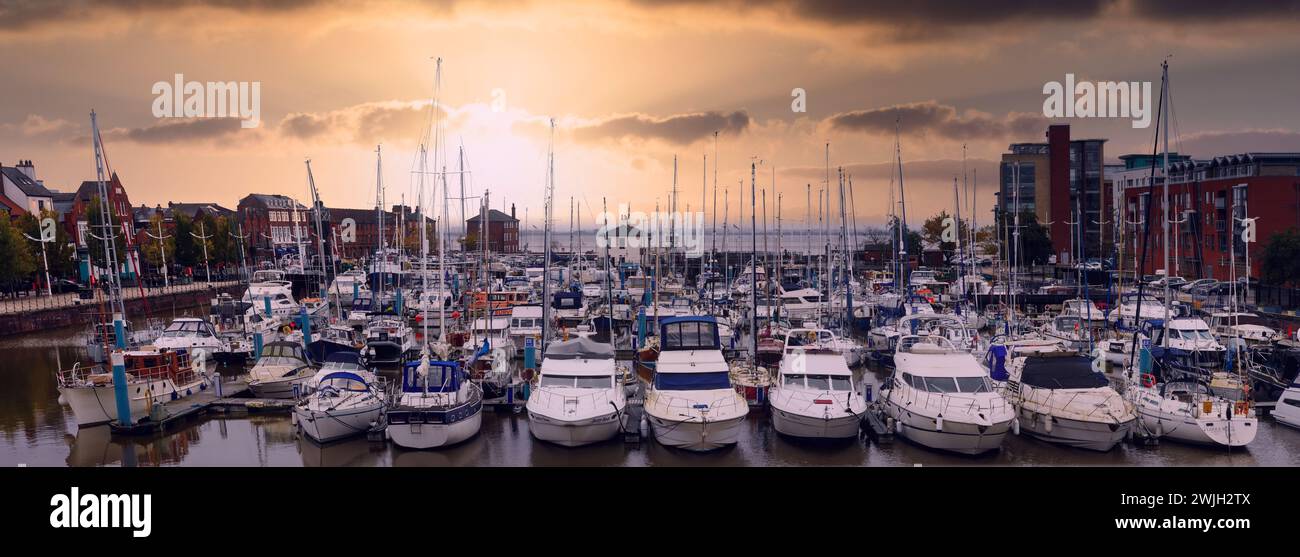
(1061,399)
(388,341)
(437,406)
(1187,411)
(345,400)
(1287,411)
(281,371)
(1133,308)
(579,397)
(153,376)
(814,395)
(690,403)
(940,397)
(191,334)
(268,287)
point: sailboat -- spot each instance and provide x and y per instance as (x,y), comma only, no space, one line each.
(151,375)
(1170,403)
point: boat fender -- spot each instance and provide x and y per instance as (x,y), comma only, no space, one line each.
(1148,380)
(1015,426)
(1047,423)
(897,426)
(1160,428)
(938,423)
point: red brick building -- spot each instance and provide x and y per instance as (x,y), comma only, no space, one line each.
(503,231)
(1208,198)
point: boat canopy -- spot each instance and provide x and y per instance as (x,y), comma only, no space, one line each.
(1073,372)
(693,332)
(441,377)
(580,348)
(345,358)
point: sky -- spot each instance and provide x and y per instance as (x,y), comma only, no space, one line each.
(630,85)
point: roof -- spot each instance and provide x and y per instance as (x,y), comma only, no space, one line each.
(29,187)
(274,201)
(193,209)
(493,216)
(580,348)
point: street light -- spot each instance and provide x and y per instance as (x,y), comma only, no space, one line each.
(162,249)
(206,270)
(49,289)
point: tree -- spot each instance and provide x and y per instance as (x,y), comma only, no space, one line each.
(60,253)
(1035,243)
(933,229)
(150,249)
(1280,260)
(186,247)
(16,262)
(97,221)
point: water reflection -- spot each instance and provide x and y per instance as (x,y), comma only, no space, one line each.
(36,430)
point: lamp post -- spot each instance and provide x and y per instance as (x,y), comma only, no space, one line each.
(207,271)
(162,250)
(49,289)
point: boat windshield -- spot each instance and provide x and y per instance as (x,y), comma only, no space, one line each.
(692,381)
(819,382)
(344,382)
(1190,334)
(949,384)
(185,329)
(578,381)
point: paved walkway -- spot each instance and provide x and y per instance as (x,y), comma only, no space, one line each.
(38,303)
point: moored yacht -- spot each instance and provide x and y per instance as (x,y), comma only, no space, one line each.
(436,406)
(281,371)
(579,397)
(151,375)
(1061,399)
(814,394)
(345,400)
(940,397)
(191,334)
(690,403)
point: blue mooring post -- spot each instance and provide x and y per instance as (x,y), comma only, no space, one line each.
(305,322)
(356,290)
(1144,357)
(530,354)
(640,327)
(266,305)
(119,331)
(397,304)
(257,346)
(120,388)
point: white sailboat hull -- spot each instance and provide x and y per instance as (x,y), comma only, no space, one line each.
(432,436)
(326,426)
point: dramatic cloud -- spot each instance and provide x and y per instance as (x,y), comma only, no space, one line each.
(932,118)
(180,130)
(681,129)
(1214,10)
(23,14)
(366,124)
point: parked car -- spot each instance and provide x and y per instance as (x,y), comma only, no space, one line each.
(1203,288)
(1174,282)
(64,286)
(1192,286)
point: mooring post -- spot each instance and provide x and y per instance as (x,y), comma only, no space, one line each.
(118,358)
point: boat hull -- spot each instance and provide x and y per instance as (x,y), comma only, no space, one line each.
(955,436)
(280,388)
(435,435)
(696,435)
(573,433)
(1094,436)
(815,427)
(1236,432)
(98,405)
(324,427)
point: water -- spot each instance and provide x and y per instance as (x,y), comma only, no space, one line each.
(35,430)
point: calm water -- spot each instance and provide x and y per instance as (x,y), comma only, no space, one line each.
(35,430)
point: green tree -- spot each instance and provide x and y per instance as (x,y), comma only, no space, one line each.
(1035,243)
(1280,260)
(16,262)
(60,253)
(97,221)
(933,228)
(150,249)
(186,247)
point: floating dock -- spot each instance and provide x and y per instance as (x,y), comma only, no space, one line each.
(224,400)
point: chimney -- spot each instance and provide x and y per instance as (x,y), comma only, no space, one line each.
(25,166)
(512,210)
